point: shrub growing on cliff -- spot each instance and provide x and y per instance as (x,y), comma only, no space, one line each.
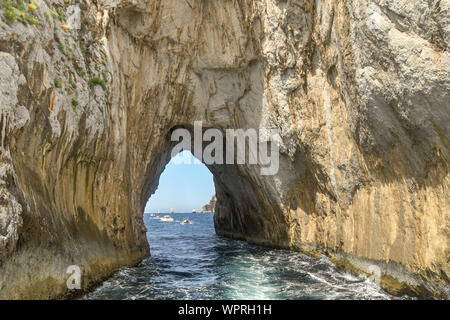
(63,49)
(10,12)
(97,81)
(57,14)
(60,15)
(31,19)
(73,84)
(53,13)
(18,9)
(58,83)
(11,15)
(20,5)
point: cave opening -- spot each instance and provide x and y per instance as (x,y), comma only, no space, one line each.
(182,205)
(185,185)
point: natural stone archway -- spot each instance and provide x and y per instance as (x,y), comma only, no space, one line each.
(358,90)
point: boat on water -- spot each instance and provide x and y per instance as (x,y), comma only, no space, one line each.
(166,218)
(171,211)
(194,211)
(185,221)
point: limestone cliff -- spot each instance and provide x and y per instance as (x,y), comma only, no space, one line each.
(91,90)
(210,206)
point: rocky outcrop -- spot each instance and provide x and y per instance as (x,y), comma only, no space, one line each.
(211,206)
(91,90)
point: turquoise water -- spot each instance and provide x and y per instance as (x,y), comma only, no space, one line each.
(189,261)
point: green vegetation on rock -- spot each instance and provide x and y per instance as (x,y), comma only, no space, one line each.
(10,13)
(73,84)
(58,83)
(63,49)
(31,19)
(97,81)
(15,10)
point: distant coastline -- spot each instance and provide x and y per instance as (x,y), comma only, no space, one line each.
(211,206)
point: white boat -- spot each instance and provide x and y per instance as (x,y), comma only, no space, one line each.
(194,211)
(166,218)
(171,211)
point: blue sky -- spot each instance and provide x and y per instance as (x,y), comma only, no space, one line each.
(182,187)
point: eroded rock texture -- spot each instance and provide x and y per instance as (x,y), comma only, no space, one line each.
(359,91)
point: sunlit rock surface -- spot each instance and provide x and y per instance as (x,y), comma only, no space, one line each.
(210,206)
(359,91)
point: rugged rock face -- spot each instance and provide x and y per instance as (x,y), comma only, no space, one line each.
(211,206)
(359,91)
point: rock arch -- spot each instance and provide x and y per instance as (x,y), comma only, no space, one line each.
(364,156)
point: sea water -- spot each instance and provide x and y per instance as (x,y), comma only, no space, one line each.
(189,261)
